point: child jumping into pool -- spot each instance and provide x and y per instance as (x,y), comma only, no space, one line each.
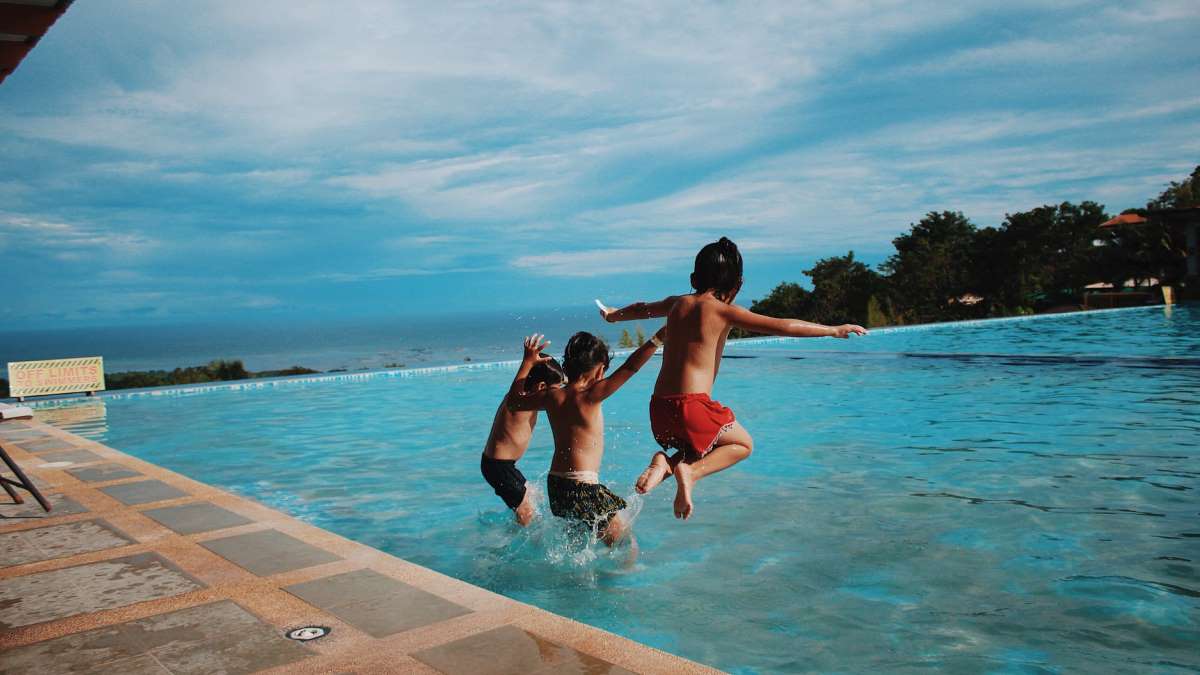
(683,415)
(577,421)
(511,432)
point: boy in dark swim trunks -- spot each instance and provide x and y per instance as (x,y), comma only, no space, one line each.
(682,413)
(511,431)
(578,423)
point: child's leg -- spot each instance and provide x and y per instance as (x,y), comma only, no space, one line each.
(617,532)
(733,445)
(660,467)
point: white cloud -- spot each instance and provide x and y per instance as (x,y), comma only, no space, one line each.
(649,128)
(417,78)
(68,241)
(382,273)
(600,262)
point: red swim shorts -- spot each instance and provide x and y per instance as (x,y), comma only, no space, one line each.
(690,422)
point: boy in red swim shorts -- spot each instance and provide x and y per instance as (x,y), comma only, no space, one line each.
(706,435)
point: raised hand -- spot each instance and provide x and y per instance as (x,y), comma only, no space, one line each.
(534,344)
(847,329)
(606,312)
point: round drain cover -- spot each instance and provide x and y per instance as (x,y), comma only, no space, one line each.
(308,633)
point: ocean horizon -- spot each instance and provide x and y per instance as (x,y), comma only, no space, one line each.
(349,343)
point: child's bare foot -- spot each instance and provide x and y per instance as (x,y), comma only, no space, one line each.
(654,474)
(683,495)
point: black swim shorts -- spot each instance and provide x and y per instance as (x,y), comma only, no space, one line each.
(591,503)
(504,476)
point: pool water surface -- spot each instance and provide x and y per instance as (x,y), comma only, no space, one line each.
(1012,496)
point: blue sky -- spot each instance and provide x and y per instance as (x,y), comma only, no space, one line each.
(177,162)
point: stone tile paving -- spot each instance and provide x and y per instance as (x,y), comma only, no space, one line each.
(268,552)
(376,604)
(60,504)
(23,431)
(221,637)
(49,445)
(143,492)
(49,620)
(103,472)
(46,596)
(195,518)
(73,456)
(78,653)
(24,437)
(137,665)
(58,541)
(509,649)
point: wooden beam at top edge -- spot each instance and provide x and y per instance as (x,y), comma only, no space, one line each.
(27,19)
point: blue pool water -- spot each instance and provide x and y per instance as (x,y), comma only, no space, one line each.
(999,497)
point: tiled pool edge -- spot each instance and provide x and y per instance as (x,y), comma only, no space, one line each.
(481,618)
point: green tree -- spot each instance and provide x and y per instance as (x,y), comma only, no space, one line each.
(640,336)
(785,300)
(1040,257)
(930,270)
(879,312)
(1183,194)
(626,340)
(842,290)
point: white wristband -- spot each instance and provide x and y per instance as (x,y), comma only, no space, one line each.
(657,342)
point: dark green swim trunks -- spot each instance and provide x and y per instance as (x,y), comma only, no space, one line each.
(590,503)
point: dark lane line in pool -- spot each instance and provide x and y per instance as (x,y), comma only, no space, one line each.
(1040,507)
(1147,362)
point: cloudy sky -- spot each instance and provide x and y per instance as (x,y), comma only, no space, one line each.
(171,161)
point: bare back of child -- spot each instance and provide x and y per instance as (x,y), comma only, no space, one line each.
(509,439)
(706,435)
(577,420)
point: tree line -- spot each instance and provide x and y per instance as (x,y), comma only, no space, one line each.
(221,370)
(946,268)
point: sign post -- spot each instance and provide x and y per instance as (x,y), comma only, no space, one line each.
(58,376)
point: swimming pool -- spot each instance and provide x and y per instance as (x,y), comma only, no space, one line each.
(1013,496)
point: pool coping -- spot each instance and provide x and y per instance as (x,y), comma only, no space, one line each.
(348,648)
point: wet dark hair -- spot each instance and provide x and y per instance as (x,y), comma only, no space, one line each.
(718,268)
(584,351)
(548,371)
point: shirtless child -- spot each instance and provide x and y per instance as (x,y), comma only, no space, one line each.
(577,421)
(682,413)
(511,431)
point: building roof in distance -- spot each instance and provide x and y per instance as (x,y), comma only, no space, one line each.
(1124,219)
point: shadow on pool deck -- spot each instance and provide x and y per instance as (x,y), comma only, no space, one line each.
(140,570)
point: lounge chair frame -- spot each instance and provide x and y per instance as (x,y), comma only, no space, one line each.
(21,482)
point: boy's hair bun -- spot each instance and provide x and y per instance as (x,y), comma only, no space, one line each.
(584,351)
(718,267)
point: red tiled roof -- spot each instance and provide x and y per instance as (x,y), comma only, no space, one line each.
(1124,219)
(22,24)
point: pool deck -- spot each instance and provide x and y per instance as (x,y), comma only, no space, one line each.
(141,570)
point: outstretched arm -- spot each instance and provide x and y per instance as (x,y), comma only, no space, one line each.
(758,323)
(638,310)
(609,385)
(517,398)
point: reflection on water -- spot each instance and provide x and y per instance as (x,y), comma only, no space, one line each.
(1027,503)
(86,417)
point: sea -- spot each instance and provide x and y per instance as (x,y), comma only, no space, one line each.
(350,344)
